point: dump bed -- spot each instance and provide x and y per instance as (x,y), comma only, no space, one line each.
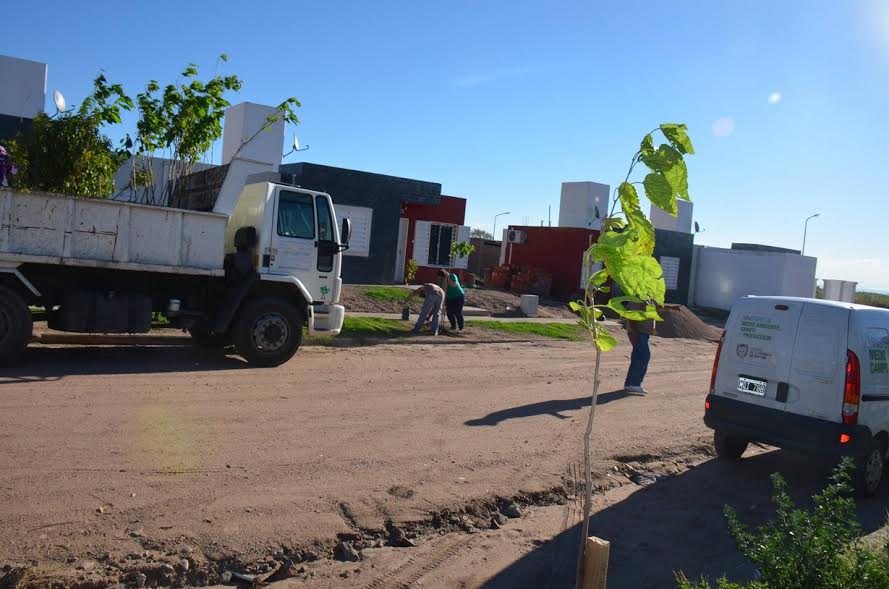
(48,228)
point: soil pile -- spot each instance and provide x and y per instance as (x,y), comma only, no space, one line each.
(682,323)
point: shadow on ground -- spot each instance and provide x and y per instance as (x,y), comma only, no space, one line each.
(677,524)
(41,364)
(554,407)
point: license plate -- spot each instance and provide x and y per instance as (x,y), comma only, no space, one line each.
(754,386)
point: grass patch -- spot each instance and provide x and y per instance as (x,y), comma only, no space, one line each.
(874,299)
(387,293)
(564,331)
(374,327)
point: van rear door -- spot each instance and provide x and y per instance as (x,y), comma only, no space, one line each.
(756,357)
(818,371)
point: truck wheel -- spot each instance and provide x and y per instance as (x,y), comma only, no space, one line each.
(16,325)
(728,447)
(869,470)
(202,338)
(268,332)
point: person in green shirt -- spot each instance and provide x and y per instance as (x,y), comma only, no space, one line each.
(454,299)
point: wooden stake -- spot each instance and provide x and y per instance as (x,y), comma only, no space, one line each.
(595,563)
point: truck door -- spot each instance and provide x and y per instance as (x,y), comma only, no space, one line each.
(756,354)
(293,241)
(818,368)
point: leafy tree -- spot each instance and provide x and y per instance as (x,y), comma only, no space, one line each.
(181,123)
(819,548)
(68,153)
(461,249)
(479,232)
(624,253)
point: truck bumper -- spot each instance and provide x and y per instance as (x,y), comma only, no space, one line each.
(326,319)
(785,430)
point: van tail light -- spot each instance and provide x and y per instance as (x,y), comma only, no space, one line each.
(716,364)
(852,390)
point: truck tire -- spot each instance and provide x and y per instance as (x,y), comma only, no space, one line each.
(16,325)
(202,338)
(267,332)
(728,447)
(869,469)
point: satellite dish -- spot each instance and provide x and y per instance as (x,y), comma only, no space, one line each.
(697,227)
(59,99)
(295,143)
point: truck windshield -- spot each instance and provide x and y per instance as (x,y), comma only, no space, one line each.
(296,215)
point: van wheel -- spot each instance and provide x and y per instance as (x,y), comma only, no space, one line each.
(728,447)
(869,470)
(16,325)
(268,332)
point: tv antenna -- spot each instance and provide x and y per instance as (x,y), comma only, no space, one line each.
(61,106)
(295,147)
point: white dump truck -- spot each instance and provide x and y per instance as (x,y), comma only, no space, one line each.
(251,272)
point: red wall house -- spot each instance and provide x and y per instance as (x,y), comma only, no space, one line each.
(441,223)
(558,250)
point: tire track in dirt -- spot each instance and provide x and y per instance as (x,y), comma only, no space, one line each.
(416,567)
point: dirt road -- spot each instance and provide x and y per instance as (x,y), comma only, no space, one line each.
(107,452)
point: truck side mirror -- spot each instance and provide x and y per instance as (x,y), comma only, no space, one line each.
(346,231)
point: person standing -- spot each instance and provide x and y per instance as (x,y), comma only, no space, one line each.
(432,305)
(639,333)
(455,298)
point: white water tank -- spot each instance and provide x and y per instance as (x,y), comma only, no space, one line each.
(840,290)
(578,204)
(529,305)
(681,222)
(245,120)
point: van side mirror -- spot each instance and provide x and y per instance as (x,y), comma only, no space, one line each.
(346,231)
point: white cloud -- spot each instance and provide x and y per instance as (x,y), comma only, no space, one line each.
(774,98)
(723,126)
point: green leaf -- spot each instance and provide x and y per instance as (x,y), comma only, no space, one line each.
(629,198)
(223,56)
(640,276)
(604,340)
(613,223)
(644,232)
(678,136)
(647,145)
(660,192)
(599,278)
(677,176)
(574,306)
(648,312)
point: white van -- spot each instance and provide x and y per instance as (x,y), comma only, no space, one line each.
(807,375)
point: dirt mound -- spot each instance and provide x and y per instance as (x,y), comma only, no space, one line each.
(682,323)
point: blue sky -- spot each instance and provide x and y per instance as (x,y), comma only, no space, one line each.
(500,102)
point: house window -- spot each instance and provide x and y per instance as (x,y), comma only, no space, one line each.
(670,266)
(362,218)
(440,239)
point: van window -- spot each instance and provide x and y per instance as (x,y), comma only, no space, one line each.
(817,350)
(878,350)
(296,215)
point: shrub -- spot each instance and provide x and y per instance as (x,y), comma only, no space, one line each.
(68,153)
(819,548)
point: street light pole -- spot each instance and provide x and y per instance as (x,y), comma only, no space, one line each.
(806,230)
(494,234)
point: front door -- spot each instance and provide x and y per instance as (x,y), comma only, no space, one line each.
(294,248)
(401,250)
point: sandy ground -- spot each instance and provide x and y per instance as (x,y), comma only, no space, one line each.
(114,460)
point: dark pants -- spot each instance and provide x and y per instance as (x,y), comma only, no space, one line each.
(454,308)
(638,361)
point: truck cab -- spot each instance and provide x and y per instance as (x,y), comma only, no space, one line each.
(297,244)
